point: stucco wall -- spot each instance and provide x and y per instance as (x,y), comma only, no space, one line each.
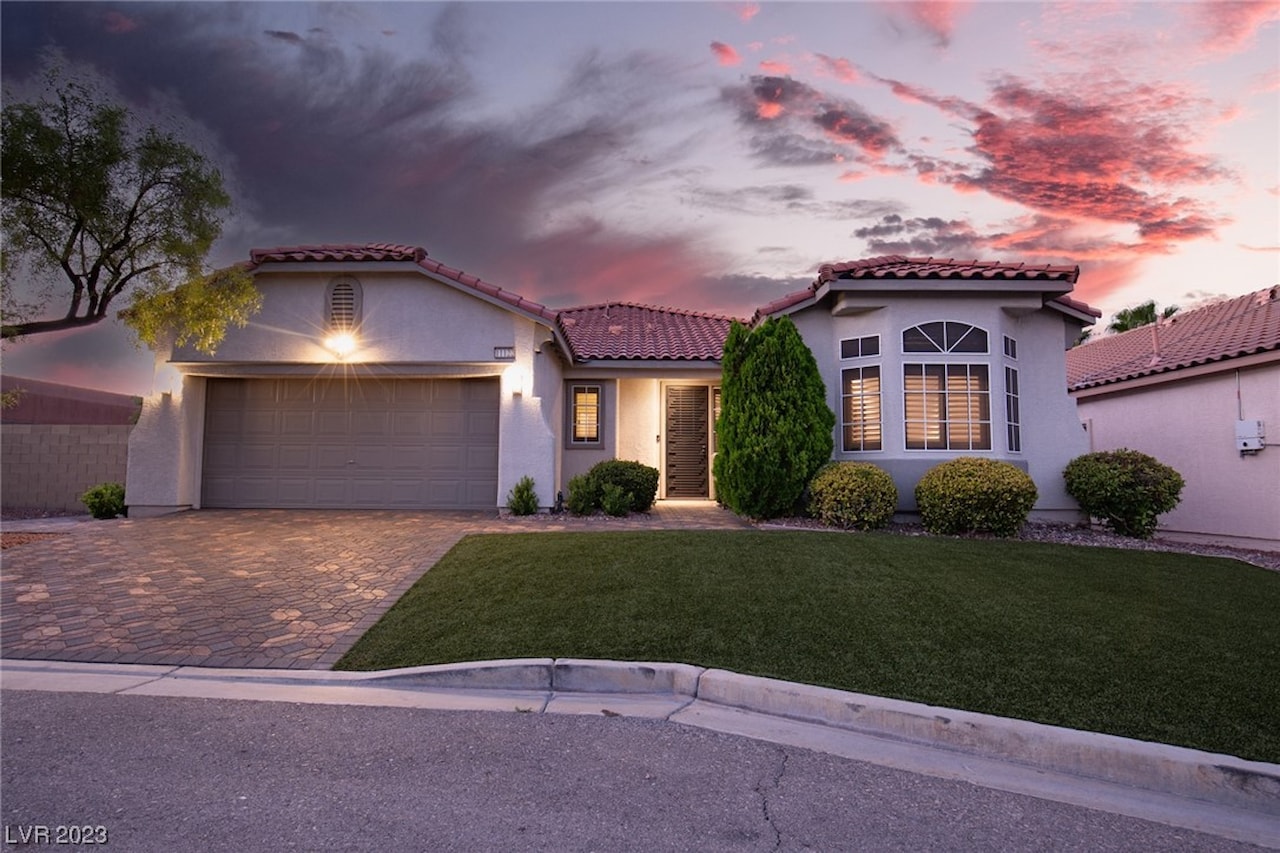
(1189,424)
(1051,431)
(49,466)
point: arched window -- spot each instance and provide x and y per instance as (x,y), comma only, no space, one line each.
(947,403)
(342,304)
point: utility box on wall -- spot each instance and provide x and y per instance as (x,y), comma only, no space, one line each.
(1250,436)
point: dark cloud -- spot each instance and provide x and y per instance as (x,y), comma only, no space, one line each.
(283,35)
(931,236)
(791,123)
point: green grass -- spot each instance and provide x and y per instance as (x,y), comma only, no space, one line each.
(1156,646)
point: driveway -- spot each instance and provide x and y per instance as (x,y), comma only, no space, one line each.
(243,588)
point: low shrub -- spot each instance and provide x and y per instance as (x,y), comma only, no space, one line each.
(584,495)
(614,501)
(853,495)
(105,500)
(634,478)
(973,495)
(523,500)
(1125,489)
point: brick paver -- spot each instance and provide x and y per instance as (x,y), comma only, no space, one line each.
(245,588)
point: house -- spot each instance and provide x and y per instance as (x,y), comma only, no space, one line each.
(376,376)
(1191,390)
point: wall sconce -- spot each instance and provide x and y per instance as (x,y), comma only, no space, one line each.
(517,379)
(168,379)
(341,344)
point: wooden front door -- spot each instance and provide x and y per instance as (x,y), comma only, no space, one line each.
(688,461)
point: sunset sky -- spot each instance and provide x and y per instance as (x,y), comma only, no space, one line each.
(703,155)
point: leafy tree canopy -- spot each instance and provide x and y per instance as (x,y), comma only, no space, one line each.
(775,425)
(97,205)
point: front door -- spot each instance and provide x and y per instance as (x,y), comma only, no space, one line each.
(688,461)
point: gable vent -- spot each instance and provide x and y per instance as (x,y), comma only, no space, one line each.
(342,306)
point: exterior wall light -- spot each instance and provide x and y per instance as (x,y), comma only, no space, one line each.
(517,379)
(341,344)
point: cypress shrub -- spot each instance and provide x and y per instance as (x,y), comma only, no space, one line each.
(775,425)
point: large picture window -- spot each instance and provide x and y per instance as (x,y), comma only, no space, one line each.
(585,414)
(860,398)
(947,406)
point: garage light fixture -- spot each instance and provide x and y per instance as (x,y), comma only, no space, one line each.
(341,344)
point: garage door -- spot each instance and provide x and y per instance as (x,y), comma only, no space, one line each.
(401,443)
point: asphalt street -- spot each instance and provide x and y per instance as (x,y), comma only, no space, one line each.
(164,774)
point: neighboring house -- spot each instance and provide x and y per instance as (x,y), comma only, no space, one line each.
(59,440)
(1185,390)
(448,390)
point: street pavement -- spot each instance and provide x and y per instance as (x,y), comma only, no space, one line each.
(166,774)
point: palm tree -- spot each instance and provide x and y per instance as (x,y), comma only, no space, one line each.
(1139,315)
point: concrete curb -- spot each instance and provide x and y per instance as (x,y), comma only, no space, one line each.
(567,685)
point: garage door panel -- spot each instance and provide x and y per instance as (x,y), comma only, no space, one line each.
(347,443)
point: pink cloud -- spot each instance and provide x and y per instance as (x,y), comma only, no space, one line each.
(747,11)
(725,54)
(935,18)
(841,69)
(1228,27)
(118,23)
(775,66)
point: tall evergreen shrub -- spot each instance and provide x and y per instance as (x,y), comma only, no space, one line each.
(775,425)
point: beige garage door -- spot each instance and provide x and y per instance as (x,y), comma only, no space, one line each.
(400,443)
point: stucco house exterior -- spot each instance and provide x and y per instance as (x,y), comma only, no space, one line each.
(1200,391)
(375,376)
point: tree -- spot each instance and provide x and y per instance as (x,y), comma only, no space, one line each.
(1139,315)
(775,426)
(94,203)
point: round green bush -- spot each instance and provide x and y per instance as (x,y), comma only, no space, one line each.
(974,495)
(634,478)
(854,495)
(1126,489)
(105,500)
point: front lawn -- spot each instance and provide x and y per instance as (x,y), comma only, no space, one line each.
(1164,647)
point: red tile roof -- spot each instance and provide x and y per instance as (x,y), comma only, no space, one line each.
(353,253)
(898,267)
(1228,329)
(624,330)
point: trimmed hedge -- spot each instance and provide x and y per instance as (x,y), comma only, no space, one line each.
(975,495)
(1126,489)
(634,478)
(855,495)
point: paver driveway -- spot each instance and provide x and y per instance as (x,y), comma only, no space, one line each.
(241,588)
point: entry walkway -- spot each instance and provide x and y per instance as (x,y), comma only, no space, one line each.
(244,588)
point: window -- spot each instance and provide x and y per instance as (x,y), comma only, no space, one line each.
(586,414)
(948,406)
(342,309)
(1010,348)
(944,336)
(860,347)
(860,396)
(1013,417)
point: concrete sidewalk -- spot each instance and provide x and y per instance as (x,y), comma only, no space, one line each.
(1206,792)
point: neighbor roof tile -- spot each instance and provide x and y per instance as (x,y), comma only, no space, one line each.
(1227,329)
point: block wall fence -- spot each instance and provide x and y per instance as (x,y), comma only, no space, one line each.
(48,466)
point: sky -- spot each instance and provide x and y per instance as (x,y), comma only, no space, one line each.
(708,156)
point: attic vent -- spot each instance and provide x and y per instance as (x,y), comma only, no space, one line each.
(344,305)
